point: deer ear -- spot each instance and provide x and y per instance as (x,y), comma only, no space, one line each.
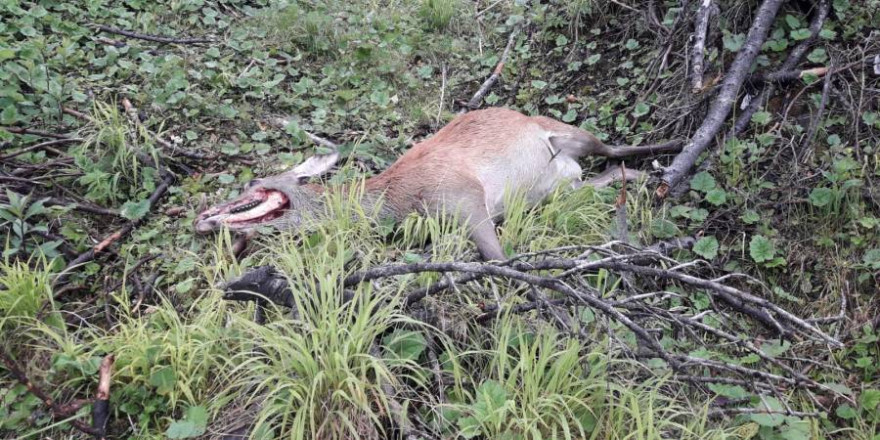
(315,165)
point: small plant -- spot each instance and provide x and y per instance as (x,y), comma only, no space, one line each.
(439,13)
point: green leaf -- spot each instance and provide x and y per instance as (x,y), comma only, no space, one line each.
(469,427)
(407,345)
(9,115)
(641,109)
(716,197)
(799,34)
(846,412)
(731,391)
(163,379)
(538,84)
(135,210)
(818,55)
(761,118)
(632,44)
(821,196)
(194,424)
(872,258)
(769,420)
(792,21)
(761,249)
(593,59)
(827,34)
(870,399)
(226,179)
(750,217)
(703,182)
(493,394)
(707,247)
(662,228)
(870,118)
(733,42)
(569,116)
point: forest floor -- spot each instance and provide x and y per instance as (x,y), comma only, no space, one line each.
(730,295)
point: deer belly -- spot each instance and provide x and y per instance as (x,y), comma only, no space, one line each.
(533,179)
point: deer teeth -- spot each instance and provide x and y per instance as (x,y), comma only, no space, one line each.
(246,207)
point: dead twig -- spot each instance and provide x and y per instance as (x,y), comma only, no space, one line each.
(474,102)
(90,255)
(58,410)
(699,47)
(101,407)
(723,103)
(153,38)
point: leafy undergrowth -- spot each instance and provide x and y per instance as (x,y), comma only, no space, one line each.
(801,215)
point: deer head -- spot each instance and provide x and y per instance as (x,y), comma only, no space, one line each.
(281,201)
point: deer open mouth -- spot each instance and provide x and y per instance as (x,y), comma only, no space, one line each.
(257,207)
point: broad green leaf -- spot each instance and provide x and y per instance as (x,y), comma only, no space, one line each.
(821,196)
(163,379)
(706,247)
(662,228)
(193,425)
(716,197)
(799,34)
(769,420)
(818,55)
(761,249)
(641,109)
(703,182)
(135,210)
(870,399)
(407,345)
(761,118)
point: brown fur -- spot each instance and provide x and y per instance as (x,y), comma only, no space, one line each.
(467,166)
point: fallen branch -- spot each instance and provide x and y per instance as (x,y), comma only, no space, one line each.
(90,255)
(699,47)
(475,101)
(101,407)
(19,130)
(789,65)
(153,38)
(722,105)
(58,411)
(40,146)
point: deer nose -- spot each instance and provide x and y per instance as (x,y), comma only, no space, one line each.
(207,225)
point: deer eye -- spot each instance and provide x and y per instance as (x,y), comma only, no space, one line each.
(253,183)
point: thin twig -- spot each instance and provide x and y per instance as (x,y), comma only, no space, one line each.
(153,38)
(475,101)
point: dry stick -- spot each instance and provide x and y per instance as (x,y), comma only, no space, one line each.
(153,38)
(790,63)
(697,54)
(101,407)
(814,124)
(506,272)
(57,410)
(721,288)
(475,101)
(19,130)
(723,104)
(40,146)
(90,255)
(727,412)
(54,201)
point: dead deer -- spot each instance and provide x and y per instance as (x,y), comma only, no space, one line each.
(464,170)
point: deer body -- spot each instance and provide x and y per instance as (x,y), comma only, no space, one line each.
(464,170)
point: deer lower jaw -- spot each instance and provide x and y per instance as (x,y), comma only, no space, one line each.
(258,207)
